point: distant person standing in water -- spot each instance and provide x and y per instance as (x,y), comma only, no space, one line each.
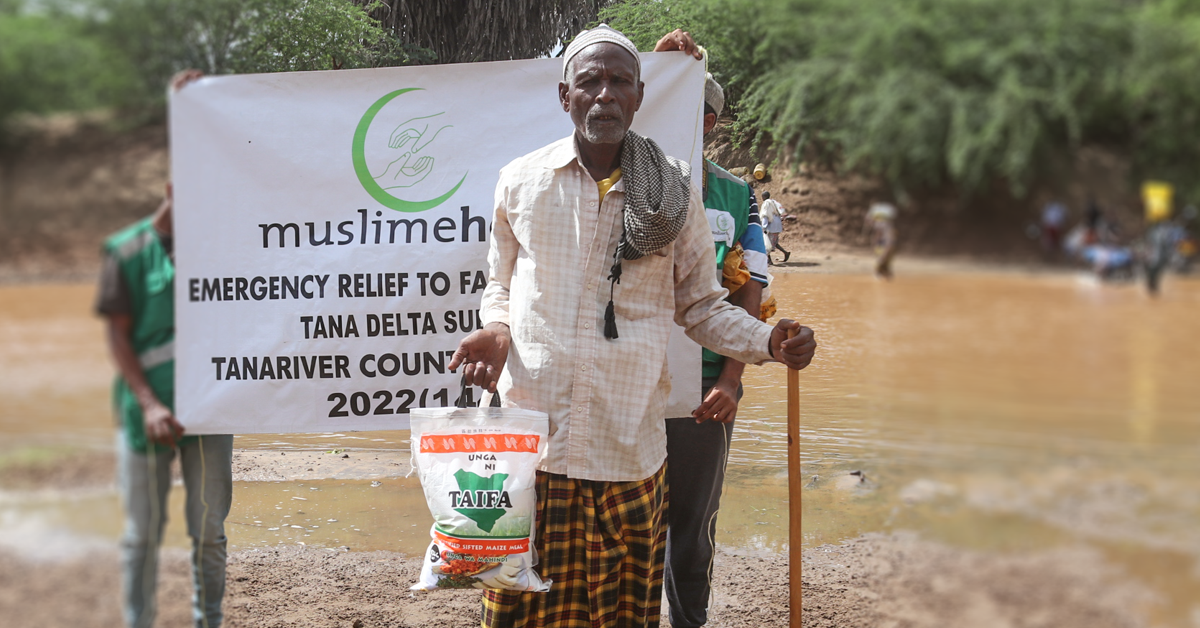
(1054,218)
(881,219)
(1160,240)
(772,216)
(1160,243)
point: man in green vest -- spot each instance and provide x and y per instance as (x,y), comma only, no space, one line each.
(136,297)
(698,446)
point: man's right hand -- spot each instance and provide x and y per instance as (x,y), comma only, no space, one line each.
(796,353)
(484,353)
(681,40)
(183,77)
(161,426)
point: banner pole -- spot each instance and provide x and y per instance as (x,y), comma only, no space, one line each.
(794,489)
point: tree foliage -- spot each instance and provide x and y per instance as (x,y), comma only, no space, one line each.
(920,92)
(50,64)
(460,31)
(965,92)
(729,30)
(81,54)
(77,54)
(160,37)
(1162,94)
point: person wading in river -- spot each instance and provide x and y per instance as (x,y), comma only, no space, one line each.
(572,219)
(881,223)
(772,217)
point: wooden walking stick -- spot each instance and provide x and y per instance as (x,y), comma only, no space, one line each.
(794,488)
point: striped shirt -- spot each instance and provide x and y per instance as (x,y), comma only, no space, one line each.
(551,250)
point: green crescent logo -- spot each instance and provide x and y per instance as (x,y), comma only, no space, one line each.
(358,152)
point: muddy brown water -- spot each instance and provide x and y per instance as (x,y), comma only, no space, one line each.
(993,411)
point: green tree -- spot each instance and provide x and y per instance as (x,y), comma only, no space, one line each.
(1163,95)
(50,62)
(921,92)
(730,30)
(160,37)
(461,31)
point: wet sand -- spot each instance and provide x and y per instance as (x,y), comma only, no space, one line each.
(876,580)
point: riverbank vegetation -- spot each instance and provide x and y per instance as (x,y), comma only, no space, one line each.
(921,93)
(958,92)
(82,54)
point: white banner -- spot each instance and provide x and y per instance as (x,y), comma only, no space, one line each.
(331,232)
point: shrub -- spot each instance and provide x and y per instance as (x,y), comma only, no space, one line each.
(960,92)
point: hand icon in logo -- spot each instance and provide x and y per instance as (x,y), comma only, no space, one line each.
(409,141)
(400,138)
(401,175)
(403,171)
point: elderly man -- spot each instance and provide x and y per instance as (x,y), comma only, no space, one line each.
(136,299)
(600,244)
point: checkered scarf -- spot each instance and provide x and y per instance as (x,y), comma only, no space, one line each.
(656,205)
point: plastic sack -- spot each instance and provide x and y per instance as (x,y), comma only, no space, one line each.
(478,469)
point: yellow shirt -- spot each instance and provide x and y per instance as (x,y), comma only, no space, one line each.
(606,184)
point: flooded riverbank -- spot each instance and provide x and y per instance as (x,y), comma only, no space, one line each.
(996,412)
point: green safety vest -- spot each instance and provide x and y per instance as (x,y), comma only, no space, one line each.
(149,275)
(726,198)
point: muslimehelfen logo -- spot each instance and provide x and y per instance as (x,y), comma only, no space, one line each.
(725,222)
(395,154)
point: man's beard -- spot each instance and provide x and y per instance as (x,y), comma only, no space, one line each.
(612,132)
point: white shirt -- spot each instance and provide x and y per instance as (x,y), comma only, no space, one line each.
(551,251)
(772,215)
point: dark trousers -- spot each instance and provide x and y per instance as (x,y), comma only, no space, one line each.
(696,457)
(1153,276)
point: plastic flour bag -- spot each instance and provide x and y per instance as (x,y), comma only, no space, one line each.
(477,466)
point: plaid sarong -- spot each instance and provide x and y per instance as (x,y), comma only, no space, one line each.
(603,544)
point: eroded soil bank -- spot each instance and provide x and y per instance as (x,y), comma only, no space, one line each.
(72,180)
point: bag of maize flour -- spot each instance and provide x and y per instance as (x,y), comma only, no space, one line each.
(478,469)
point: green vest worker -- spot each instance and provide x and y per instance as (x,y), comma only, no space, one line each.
(733,216)
(141,253)
(698,446)
(136,297)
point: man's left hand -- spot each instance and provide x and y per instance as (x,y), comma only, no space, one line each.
(796,352)
(483,352)
(720,404)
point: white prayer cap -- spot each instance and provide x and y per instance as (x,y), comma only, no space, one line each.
(601,34)
(714,96)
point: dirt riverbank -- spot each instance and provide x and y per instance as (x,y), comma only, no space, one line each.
(884,580)
(72,180)
(876,580)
